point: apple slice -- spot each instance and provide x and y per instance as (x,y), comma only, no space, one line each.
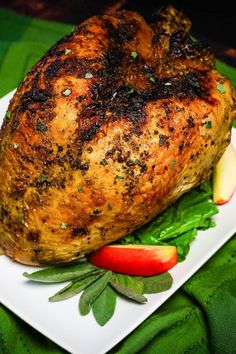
(141,260)
(224,177)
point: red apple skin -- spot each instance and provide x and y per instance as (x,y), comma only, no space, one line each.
(139,260)
(221,201)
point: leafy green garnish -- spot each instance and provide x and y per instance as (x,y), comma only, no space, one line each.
(92,292)
(8,114)
(182,243)
(179,223)
(104,305)
(176,226)
(100,287)
(59,274)
(128,292)
(76,286)
(234,123)
(131,287)
(157,283)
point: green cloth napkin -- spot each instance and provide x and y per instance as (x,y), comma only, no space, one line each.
(200,318)
(23,40)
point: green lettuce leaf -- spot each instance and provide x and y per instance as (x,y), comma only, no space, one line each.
(179,223)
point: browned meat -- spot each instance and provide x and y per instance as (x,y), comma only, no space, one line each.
(111,126)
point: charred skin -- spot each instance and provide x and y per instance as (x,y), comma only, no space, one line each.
(100,140)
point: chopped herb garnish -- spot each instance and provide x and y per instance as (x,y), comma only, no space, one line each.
(119,177)
(88,76)
(221,88)
(67,51)
(134,117)
(134,54)
(131,91)
(43,179)
(62,183)
(66,92)
(15,145)
(8,114)
(172,164)
(103,162)
(109,207)
(208,124)
(41,127)
(63,225)
(162,140)
(193,39)
(152,79)
(80,190)
(20,218)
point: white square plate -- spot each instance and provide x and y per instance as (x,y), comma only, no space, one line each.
(61,321)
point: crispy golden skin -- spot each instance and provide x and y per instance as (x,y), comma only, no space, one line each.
(110,127)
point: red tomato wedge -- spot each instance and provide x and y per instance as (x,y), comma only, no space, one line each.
(141,260)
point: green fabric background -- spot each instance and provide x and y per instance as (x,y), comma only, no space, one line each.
(201,317)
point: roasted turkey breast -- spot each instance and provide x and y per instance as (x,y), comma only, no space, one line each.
(111,126)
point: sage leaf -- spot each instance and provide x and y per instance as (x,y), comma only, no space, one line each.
(59,274)
(157,283)
(104,305)
(117,282)
(134,283)
(92,292)
(75,287)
